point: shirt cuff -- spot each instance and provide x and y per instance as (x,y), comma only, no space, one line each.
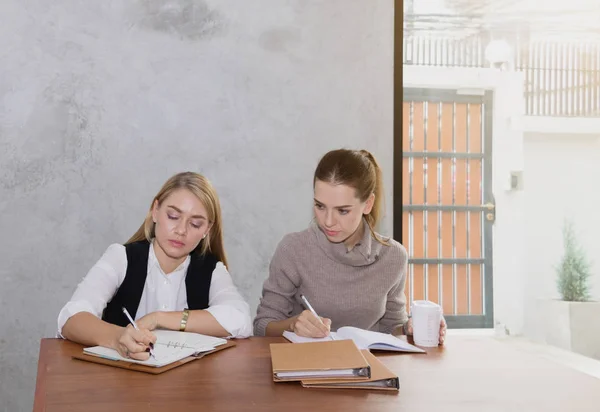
(237,323)
(70,309)
(260,327)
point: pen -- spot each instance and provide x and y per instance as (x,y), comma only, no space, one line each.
(136,328)
(308,305)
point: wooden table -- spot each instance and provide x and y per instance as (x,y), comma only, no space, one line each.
(469,374)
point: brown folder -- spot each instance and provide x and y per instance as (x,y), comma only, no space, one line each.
(149,369)
(381,378)
(318,360)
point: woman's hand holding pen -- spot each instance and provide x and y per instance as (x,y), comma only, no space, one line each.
(308,325)
(134,344)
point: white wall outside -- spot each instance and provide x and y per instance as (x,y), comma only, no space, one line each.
(508,247)
(561,174)
(560,161)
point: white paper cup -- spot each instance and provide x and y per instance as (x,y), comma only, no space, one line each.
(426,318)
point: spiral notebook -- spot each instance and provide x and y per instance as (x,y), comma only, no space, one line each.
(172,348)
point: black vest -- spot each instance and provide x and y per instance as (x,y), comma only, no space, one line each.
(129,294)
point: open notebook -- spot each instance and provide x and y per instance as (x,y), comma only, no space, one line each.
(364,339)
(171,346)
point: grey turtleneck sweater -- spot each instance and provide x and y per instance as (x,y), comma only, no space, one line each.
(363,287)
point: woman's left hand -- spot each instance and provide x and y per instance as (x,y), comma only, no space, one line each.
(149,321)
(409,329)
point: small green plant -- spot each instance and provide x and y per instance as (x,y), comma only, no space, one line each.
(574,269)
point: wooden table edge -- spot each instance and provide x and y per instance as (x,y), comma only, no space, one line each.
(40,383)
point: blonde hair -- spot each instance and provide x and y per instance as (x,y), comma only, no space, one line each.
(201,187)
(359,170)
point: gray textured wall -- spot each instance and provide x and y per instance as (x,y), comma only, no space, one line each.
(100,102)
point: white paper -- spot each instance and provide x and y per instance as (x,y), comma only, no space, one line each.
(291,336)
(317,374)
(364,339)
(163,355)
(202,343)
(170,347)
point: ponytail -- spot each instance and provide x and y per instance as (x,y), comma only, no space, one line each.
(374,217)
(360,170)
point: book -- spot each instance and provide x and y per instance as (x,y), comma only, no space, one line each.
(318,360)
(381,378)
(171,347)
(364,339)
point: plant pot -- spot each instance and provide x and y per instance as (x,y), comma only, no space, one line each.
(574,326)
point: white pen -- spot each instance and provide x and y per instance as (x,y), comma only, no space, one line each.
(136,328)
(312,310)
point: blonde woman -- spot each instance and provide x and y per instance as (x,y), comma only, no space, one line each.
(171,274)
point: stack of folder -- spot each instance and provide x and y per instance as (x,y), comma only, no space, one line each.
(330,364)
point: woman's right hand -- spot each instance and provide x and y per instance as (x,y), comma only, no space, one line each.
(134,344)
(308,325)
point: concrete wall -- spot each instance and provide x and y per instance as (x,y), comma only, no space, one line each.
(100,102)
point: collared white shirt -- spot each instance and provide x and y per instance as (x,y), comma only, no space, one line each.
(162,292)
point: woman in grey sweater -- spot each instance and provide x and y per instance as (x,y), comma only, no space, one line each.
(351,275)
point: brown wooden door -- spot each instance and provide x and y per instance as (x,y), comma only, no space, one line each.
(446,205)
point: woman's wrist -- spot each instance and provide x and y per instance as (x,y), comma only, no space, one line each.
(405,326)
(116,333)
(159,319)
(292,323)
(277,327)
(169,320)
(184,319)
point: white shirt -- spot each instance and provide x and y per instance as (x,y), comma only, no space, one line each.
(162,292)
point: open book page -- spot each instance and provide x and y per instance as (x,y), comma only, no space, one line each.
(188,340)
(164,355)
(366,339)
(170,347)
(292,337)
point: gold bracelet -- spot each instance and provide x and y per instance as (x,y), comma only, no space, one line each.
(184,319)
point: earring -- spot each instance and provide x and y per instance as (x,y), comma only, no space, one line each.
(204,236)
